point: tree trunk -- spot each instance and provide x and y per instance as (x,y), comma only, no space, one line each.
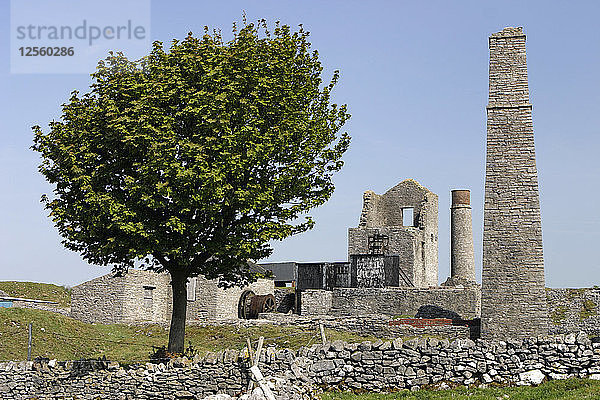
(177,331)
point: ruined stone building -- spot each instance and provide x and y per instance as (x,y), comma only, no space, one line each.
(392,265)
(403,222)
(145,296)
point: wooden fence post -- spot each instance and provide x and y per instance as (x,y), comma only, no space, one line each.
(29,340)
(323,338)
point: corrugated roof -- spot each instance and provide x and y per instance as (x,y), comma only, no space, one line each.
(282,271)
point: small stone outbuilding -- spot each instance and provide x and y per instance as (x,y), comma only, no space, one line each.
(144,296)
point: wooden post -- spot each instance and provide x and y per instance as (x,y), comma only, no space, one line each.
(29,340)
(249,344)
(262,383)
(250,351)
(258,351)
(323,338)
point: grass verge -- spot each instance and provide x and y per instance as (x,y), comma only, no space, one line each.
(64,338)
(38,291)
(570,389)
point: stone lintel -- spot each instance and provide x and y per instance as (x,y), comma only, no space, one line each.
(508,106)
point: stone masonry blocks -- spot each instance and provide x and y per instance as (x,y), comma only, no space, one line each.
(462,255)
(513,299)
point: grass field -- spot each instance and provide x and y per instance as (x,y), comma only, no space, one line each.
(38,291)
(63,338)
(571,389)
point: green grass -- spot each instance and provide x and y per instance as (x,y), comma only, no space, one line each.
(38,291)
(575,293)
(558,315)
(570,389)
(63,338)
(588,309)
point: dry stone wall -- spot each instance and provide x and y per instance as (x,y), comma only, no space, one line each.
(367,366)
(42,306)
(315,302)
(574,310)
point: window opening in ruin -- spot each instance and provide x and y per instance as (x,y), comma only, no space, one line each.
(378,244)
(148,294)
(408,216)
(191,289)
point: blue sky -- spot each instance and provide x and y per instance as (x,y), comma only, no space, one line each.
(414,76)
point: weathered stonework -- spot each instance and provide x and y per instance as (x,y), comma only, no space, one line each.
(315,302)
(416,245)
(100,300)
(462,302)
(462,255)
(145,296)
(513,298)
(285,300)
(228,299)
(574,310)
(372,325)
(378,366)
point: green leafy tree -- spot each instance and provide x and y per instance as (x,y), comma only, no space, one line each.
(192,160)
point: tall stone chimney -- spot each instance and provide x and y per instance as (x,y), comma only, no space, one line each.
(462,256)
(513,300)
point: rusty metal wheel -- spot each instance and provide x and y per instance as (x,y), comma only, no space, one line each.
(260,304)
(269,304)
(245,304)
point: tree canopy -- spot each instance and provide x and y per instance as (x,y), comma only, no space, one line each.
(192,159)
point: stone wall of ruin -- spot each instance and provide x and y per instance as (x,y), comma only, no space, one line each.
(136,308)
(285,300)
(205,302)
(464,302)
(417,244)
(228,299)
(100,300)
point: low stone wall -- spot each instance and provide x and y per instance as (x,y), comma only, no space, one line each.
(43,306)
(380,326)
(569,310)
(378,366)
(316,302)
(573,310)
(453,303)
